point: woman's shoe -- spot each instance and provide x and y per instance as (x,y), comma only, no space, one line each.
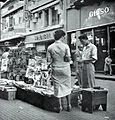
(60,109)
(69,108)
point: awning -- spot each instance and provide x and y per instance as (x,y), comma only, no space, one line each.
(11,38)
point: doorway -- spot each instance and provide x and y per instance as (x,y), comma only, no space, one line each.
(100,40)
(71,41)
(112,46)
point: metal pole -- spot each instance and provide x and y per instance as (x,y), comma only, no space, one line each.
(108,39)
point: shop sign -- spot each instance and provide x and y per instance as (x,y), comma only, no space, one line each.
(40,37)
(97,15)
(98,12)
(44,36)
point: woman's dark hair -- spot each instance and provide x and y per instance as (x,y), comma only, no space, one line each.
(83,36)
(7,49)
(58,34)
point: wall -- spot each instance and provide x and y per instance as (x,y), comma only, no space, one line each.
(73,20)
(37,3)
(73,17)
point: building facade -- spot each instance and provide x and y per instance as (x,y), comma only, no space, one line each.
(34,22)
(42,18)
(13,26)
(31,21)
(96,19)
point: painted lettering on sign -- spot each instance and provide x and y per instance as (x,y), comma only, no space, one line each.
(98,12)
(38,37)
(45,36)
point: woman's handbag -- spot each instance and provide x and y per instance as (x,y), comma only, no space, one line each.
(66,57)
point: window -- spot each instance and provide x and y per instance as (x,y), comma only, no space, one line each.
(55,16)
(46,17)
(20,20)
(40,14)
(11,23)
(3,23)
(11,7)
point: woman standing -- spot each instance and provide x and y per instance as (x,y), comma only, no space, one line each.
(4,63)
(58,56)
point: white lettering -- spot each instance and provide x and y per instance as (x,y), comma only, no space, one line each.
(98,12)
(107,9)
(101,11)
(91,14)
(45,36)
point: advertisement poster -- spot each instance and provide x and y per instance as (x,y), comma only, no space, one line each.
(4,65)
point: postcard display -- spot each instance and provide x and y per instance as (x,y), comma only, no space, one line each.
(17,64)
(29,66)
(32,79)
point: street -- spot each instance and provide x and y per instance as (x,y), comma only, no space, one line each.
(18,110)
(111,96)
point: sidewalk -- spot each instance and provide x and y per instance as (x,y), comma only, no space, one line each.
(101,76)
(19,110)
(105,77)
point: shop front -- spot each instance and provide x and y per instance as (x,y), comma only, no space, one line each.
(40,41)
(98,21)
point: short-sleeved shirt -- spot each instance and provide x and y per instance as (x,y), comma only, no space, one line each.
(5,55)
(89,51)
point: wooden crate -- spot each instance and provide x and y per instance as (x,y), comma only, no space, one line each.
(93,98)
(8,93)
(4,75)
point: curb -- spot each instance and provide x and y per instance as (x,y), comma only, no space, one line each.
(112,78)
(102,77)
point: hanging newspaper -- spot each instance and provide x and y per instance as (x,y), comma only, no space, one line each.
(4,65)
(30,69)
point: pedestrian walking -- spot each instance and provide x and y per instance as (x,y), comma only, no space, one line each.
(107,65)
(78,64)
(89,57)
(4,63)
(58,56)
